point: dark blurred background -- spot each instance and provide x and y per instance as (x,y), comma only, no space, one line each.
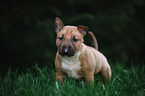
(27,35)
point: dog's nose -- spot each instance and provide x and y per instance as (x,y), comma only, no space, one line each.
(66,50)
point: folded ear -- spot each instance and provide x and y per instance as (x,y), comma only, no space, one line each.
(58,25)
(83,29)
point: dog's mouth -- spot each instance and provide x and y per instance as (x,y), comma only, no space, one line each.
(66,51)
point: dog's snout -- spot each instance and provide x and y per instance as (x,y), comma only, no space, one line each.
(66,50)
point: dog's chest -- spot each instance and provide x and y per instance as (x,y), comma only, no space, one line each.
(71,65)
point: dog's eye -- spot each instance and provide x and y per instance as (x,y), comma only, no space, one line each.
(74,39)
(61,38)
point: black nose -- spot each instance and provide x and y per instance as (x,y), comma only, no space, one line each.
(66,49)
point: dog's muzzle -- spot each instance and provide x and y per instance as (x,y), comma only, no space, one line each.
(66,51)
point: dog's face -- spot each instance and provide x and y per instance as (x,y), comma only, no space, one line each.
(69,38)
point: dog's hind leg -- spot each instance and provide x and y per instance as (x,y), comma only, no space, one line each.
(106,74)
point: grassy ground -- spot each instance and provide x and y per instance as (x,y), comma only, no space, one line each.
(41,82)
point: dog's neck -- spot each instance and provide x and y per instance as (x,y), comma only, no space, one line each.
(72,59)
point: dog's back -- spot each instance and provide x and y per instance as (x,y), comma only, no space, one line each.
(97,58)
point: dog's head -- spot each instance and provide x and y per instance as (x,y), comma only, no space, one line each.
(69,38)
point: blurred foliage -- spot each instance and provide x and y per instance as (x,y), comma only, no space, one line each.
(27,33)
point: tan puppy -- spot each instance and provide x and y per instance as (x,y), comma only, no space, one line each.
(74,58)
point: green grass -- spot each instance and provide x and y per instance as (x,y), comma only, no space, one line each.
(41,82)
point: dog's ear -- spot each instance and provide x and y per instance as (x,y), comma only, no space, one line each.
(83,29)
(58,25)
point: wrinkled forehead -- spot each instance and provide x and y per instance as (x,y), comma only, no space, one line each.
(69,31)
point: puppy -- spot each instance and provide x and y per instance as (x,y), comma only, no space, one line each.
(74,58)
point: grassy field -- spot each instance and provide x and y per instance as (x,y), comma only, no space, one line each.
(41,82)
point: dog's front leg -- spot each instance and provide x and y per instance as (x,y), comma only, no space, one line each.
(60,77)
(89,78)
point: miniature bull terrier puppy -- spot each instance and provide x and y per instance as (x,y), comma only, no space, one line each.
(74,58)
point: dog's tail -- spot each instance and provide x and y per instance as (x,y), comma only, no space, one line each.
(93,40)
